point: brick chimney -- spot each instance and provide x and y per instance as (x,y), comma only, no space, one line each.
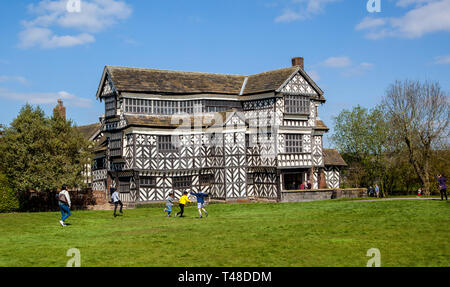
(60,110)
(298,61)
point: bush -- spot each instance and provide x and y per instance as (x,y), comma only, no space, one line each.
(8,199)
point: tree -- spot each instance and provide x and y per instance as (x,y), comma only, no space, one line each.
(361,136)
(8,199)
(419,118)
(42,153)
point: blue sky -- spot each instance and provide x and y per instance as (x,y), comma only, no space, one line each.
(48,53)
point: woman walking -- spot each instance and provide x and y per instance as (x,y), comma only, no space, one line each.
(64,204)
(442,186)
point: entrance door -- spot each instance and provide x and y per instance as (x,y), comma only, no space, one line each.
(292,181)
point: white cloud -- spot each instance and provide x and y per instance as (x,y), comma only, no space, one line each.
(427,16)
(337,62)
(44,38)
(288,16)
(405,3)
(370,22)
(94,17)
(346,67)
(314,75)
(442,60)
(21,80)
(46,98)
(302,10)
(358,70)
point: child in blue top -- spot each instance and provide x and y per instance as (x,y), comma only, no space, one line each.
(201,202)
(169,204)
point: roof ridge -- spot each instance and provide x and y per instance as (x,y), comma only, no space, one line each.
(191,72)
(276,70)
(174,71)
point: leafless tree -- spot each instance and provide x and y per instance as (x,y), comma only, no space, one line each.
(419,115)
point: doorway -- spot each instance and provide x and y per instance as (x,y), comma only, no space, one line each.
(292,181)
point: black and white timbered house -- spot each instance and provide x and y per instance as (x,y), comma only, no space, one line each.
(235,136)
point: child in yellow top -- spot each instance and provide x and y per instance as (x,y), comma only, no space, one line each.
(183,200)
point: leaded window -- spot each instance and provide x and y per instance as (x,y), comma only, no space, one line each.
(148,181)
(294,143)
(181,182)
(250,178)
(297,105)
(115,144)
(165,144)
(138,106)
(124,185)
(110,106)
(213,106)
(206,179)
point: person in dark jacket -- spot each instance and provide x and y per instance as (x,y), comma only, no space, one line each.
(442,186)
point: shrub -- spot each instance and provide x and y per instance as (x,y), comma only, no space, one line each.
(8,199)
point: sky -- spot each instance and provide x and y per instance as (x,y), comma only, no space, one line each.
(353,49)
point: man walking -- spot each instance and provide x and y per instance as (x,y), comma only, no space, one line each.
(64,204)
(116,200)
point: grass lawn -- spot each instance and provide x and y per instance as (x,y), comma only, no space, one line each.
(325,233)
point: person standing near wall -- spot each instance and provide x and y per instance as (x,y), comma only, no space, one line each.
(442,186)
(64,204)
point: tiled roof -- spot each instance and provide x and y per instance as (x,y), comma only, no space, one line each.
(333,157)
(175,82)
(320,125)
(89,131)
(156,121)
(268,81)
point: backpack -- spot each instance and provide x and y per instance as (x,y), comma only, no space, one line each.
(62,198)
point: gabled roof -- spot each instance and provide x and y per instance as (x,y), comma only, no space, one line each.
(268,81)
(89,131)
(139,80)
(332,157)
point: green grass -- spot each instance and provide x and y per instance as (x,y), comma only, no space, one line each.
(326,233)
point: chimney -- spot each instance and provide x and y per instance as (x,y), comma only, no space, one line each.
(60,110)
(297,61)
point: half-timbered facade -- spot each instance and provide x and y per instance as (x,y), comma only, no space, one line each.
(234,136)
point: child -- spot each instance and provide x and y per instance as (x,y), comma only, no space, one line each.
(183,200)
(201,202)
(169,204)
(115,198)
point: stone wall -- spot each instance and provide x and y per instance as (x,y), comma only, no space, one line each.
(99,197)
(321,194)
